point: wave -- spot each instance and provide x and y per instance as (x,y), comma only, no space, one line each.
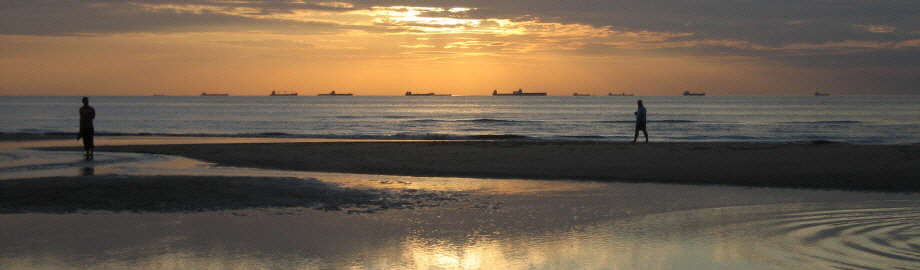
(616,121)
(274,134)
(480,120)
(727,138)
(583,137)
(822,122)
(651,121)
(399,136)
(496,137)
(491,120)
(425,120)
(614,133)
(673,121)
(821,142)
(366,117)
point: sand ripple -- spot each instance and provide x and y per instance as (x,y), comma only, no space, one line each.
(857,238)
(863,235)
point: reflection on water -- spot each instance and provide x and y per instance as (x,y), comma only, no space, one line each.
(87,171)
(776,236)
(505,224)
(19,163)
(849,238)
(786,236)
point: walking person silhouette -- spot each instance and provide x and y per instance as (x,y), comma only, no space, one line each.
(640,122)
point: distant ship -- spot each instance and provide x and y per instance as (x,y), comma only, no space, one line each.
(334,94)
(581,95)
(519,92)
(819,94)
(687,93)
(273,94)
(619,95)
(409,93)
(203,94)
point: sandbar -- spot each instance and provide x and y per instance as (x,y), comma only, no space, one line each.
(171,194)
(833,166)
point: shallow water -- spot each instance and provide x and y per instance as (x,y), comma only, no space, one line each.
(504,224)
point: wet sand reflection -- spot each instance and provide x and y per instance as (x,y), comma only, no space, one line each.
(777,236)
(500,224)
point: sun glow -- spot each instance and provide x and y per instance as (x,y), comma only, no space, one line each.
(386,48)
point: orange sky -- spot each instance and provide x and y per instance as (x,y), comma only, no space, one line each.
(241,48)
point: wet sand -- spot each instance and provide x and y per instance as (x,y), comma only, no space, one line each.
(184,194)
(157,212)
(890,168)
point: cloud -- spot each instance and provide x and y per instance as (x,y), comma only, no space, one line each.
(768,29)
(878,29)
(65,18)
(417,46)
(270,43)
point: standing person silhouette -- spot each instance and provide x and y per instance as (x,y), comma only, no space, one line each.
(640,122)
(87,114)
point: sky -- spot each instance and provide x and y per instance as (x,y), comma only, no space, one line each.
(460,47)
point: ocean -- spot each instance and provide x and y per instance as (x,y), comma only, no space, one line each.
(759,119)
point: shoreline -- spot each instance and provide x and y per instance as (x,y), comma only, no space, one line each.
(284,137)
(831,166)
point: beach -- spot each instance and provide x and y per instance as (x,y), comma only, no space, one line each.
(219,203)
(891,168)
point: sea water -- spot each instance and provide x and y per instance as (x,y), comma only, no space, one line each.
(545,225)
(771,119)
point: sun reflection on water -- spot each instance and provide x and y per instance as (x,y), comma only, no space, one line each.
(503,224)
(870,234)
